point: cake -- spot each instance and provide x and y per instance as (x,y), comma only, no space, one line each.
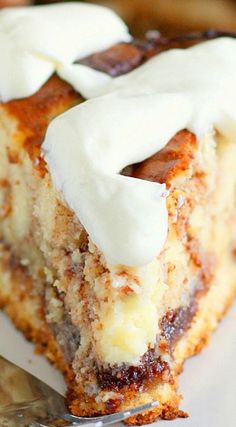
(117,213)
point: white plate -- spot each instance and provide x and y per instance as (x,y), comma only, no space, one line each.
(208,382)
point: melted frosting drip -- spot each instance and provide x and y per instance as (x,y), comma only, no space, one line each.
(37,41)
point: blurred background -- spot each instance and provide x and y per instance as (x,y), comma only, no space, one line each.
(168,16)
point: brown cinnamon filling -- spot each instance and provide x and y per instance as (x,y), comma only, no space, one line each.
(176,322)
(118,377)
(173,325)
(118,60)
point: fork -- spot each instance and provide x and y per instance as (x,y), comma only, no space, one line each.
(73,421)
(26,401)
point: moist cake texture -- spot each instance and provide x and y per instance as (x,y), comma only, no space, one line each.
(92,320)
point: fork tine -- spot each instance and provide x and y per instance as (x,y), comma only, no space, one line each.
(110,419)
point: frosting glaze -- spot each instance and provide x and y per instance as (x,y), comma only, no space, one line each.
(37,41)
(129,119)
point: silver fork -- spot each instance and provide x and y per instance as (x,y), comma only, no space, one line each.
(32,403)
(101,421)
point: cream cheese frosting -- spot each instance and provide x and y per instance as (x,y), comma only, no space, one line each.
(37,41)
(131,118)
(125,120)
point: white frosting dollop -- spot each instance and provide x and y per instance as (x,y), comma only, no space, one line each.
(37,41)
(132,118)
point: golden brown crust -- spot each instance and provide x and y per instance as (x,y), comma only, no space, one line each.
(21,284)
(167,413)
(169,162)
(34,113)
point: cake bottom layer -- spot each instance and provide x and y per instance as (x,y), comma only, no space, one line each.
(27,313)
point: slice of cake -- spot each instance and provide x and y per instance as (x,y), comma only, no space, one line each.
(117,213)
